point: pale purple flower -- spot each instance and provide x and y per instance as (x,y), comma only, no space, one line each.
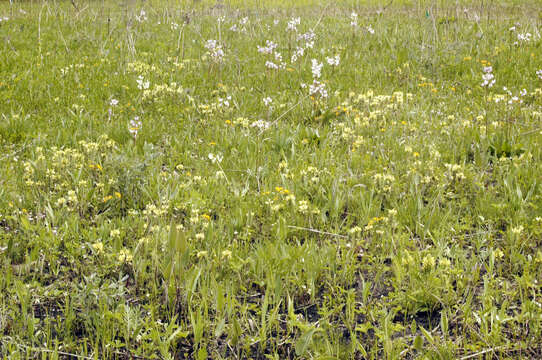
(318,88)
(268,48)
(354,19)
(135,126)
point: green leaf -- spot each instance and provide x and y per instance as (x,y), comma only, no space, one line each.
(304,341)
(427,335)
(418,342)
(364,327)
(220,327)
(202,354)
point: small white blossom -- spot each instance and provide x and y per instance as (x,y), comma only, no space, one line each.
(261,124)
(267,101)
(141,83)
(268,48)
(215,158)
(334,61)
(292,24)
(525,37)
(142,16)
(224,102)
(316,69)
(318,88)
(271,65)
(488,77)
(299,51)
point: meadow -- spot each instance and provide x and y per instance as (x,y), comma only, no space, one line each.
(271,179)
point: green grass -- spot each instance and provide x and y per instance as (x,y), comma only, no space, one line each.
(400,217)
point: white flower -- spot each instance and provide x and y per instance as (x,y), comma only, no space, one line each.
(114,102)
(142,84)
(334,61)
(299,51)
(224,102)
(267,101)
(142,16)
(525,37)
(370,30)
(271,65)
(292,24)
(318,88)
(316,69)
(215,158)
(488,77)
(539,73)
(261,124)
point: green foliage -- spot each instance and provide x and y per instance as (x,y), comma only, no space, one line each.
(160,199)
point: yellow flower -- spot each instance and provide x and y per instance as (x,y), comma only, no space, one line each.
(445,262)
(125,255)
(98,247)
(428,261)
(118,195)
